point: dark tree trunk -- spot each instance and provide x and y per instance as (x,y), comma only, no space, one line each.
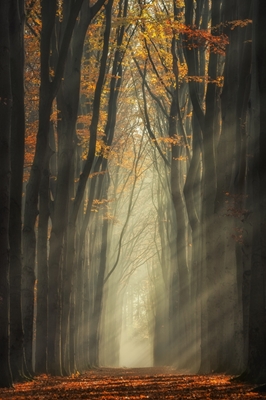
(244,187)
(70,257)
(192,194)
(48,91)
(208,126)
(67,101)
(179,296)
(94,331)
(160,324)
(32,190)
(257,327)
(243,247)
(42,275)
(17,163)
(5,175)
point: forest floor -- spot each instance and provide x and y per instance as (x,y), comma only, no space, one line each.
(132,383)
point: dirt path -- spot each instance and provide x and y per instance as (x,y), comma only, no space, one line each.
(141,383)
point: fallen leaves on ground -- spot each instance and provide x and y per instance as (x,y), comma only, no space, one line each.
(132,383)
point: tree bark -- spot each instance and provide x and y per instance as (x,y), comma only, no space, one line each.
(257,327)
(179,283)
(70,258)
(48,91)
(67,101)
(42,275)
(5,176)
(94,331)
(17,164)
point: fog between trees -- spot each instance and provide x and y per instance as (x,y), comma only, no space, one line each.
(132,190)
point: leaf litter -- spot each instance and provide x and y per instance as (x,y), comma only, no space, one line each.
(132,383)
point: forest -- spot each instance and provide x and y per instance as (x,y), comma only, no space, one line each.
(132,186)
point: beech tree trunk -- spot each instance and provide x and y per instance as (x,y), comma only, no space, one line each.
(17,164)
(5,176)
(257,327)
(42,275)
(48,91)
(67,101)
(94,330)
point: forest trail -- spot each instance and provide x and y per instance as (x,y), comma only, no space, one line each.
(132,383)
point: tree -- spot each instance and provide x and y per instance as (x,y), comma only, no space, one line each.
(148,167)
(17,163)
(5,176)
(48,89)
(256,368)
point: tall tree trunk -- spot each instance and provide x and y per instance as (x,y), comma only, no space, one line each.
(48,91)
(210,296)
(94,332)
(160,321)
(17,164)
(70,258)
(68,100)
(257,327)
(42,275)
(180,330)
(245,186)
(196,59)
(243,253)
(5,175)
(32,190)
(192,194)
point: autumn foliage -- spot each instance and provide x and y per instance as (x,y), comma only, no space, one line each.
(141,383)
